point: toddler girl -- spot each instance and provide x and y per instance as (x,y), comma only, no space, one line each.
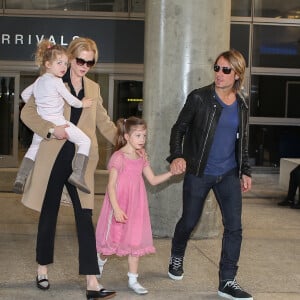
(50,92)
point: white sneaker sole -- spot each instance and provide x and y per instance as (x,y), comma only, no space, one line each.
(231,297)
(175,277)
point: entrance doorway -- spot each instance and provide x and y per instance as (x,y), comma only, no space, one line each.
(128,99)
(9,116)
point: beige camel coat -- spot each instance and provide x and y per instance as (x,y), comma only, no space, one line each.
(90,119)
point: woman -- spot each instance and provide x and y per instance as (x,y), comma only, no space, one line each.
(53,166)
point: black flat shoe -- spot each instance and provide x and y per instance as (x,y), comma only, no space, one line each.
(102,294)
(285,202)
(42,282)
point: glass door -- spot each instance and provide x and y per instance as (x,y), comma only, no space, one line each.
(127,98)
(9,119)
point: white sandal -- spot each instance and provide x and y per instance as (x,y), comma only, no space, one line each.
(136,287)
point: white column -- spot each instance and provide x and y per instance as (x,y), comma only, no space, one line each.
(182,40)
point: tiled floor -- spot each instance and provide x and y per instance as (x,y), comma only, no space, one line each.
(269,262)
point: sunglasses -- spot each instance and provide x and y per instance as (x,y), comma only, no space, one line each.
(81,62)
(225,70)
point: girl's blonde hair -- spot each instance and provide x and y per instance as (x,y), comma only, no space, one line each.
(127,126)
(47,51)
(238,65)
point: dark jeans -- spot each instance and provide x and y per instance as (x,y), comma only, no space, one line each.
(227,189)
(48,218)
(294,184)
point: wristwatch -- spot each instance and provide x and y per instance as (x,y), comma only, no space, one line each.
(50,132)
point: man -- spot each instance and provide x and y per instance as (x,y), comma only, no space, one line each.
(209,142)
(294,184)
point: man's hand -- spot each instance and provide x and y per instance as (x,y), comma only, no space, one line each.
(60,132)
(178,166)
(246,183)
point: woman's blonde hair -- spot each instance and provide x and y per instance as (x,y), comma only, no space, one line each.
(47,51)
(126,126)
(82,44)
(238,64)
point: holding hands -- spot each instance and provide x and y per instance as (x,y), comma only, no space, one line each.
(178,166)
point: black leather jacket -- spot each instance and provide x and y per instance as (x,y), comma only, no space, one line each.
(192,134)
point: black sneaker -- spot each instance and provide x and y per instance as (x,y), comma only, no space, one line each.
(176,268)
(296,205)
(230,289)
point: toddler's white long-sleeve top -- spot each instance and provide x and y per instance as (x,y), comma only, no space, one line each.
(50,93)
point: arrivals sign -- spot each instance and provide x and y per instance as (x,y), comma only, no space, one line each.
(119,41)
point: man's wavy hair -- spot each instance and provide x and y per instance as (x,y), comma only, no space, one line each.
(238,65)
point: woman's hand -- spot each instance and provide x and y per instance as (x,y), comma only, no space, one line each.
(60,132)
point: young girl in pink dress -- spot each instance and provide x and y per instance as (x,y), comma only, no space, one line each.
(124,227)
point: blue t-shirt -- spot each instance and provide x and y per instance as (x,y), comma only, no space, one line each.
(221,158)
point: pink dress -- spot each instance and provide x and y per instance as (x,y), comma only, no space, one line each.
(135,236)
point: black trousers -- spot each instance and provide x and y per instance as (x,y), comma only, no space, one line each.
(48,218)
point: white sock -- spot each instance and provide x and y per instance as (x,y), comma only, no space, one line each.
(101,261)
(132,278)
